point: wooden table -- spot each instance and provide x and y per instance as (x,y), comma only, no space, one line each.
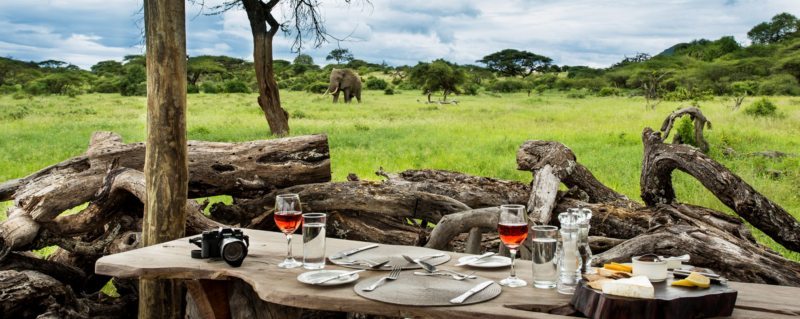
(280,286)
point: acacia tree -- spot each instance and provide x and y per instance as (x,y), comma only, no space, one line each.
(781,26)
(438,75)
(303,19)
(340,55)
(510,62)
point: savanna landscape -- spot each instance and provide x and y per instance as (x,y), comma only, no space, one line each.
(469,118)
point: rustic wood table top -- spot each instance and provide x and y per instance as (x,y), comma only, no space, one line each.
(280,286)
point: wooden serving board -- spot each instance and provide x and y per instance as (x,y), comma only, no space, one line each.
(669,302)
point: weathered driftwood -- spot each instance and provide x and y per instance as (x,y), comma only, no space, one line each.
(535,155)
(656,185)
(362,210)
(698,119)
(544,190)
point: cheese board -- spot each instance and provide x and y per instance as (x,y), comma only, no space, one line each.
(668,302)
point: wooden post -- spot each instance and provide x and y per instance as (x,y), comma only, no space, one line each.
(166,167)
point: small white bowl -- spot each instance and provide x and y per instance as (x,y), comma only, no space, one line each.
(656,271)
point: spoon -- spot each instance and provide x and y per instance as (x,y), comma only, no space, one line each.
(454,276)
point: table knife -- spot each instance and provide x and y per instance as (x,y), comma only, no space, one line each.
(463,297)
(476,258)
(337,276)
(346,253)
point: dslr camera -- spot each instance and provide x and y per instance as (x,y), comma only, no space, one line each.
(230,244)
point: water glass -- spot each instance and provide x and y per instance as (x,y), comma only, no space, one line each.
(544,241)
(314,240)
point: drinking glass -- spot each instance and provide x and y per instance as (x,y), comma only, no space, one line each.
(513,228)
(288,217)
(314,240)
(544,256)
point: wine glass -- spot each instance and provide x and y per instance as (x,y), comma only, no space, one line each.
(513,228)
(288,217)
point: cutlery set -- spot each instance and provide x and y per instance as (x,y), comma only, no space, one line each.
(345,258)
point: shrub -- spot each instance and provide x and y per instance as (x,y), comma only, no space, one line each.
(192,88)
(609,91)
(684,131)
(317,87)
(106,85)
(35,88)
(10,89)
(374,83)
(507,85)
(779,84)
(236,86)
(762,107)
(577,94)
(471,89)
(388,91)
(210,87)
(72,90)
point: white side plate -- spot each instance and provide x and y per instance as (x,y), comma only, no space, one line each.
(488,262)
(313,276)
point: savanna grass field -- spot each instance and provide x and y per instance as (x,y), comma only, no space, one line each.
(478,136)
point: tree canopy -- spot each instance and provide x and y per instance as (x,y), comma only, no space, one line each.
(340,55)
(438,75)
(782,26)
(511,62)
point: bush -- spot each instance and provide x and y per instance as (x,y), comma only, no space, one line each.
(374,83)
(389,91)
(762,107)
(609,91)
(684,131)
(106,85)
(471,89)
(35,88)
(210,87)
(10,89)
(192,88)
(779,84)
(134,82)
(577,94)
(236,86)
(507,86)
(317,87)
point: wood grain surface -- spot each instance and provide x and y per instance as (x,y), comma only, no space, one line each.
(280,286)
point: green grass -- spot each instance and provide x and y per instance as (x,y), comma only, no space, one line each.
(478,136)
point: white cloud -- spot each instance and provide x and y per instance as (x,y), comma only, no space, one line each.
(575,32)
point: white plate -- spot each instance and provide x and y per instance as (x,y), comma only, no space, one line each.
(488,262)
(312,276)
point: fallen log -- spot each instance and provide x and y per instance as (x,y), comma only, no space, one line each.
(656,185)
(535,155)
(377,207)
(473,191)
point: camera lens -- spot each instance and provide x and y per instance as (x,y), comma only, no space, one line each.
(233,251)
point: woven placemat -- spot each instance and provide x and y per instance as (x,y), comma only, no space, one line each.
(394,254)
(413,290)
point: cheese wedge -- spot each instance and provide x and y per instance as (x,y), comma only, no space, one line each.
(635,287)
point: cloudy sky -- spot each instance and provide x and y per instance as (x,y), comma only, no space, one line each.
(575,32)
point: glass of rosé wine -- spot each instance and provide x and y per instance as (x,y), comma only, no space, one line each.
(513,228)
(288,217)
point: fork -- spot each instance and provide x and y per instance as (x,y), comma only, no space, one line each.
(394,274)
(369,263)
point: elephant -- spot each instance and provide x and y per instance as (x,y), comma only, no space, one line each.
(347,81)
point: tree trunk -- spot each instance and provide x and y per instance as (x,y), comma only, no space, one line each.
(260,16)
(166,167)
